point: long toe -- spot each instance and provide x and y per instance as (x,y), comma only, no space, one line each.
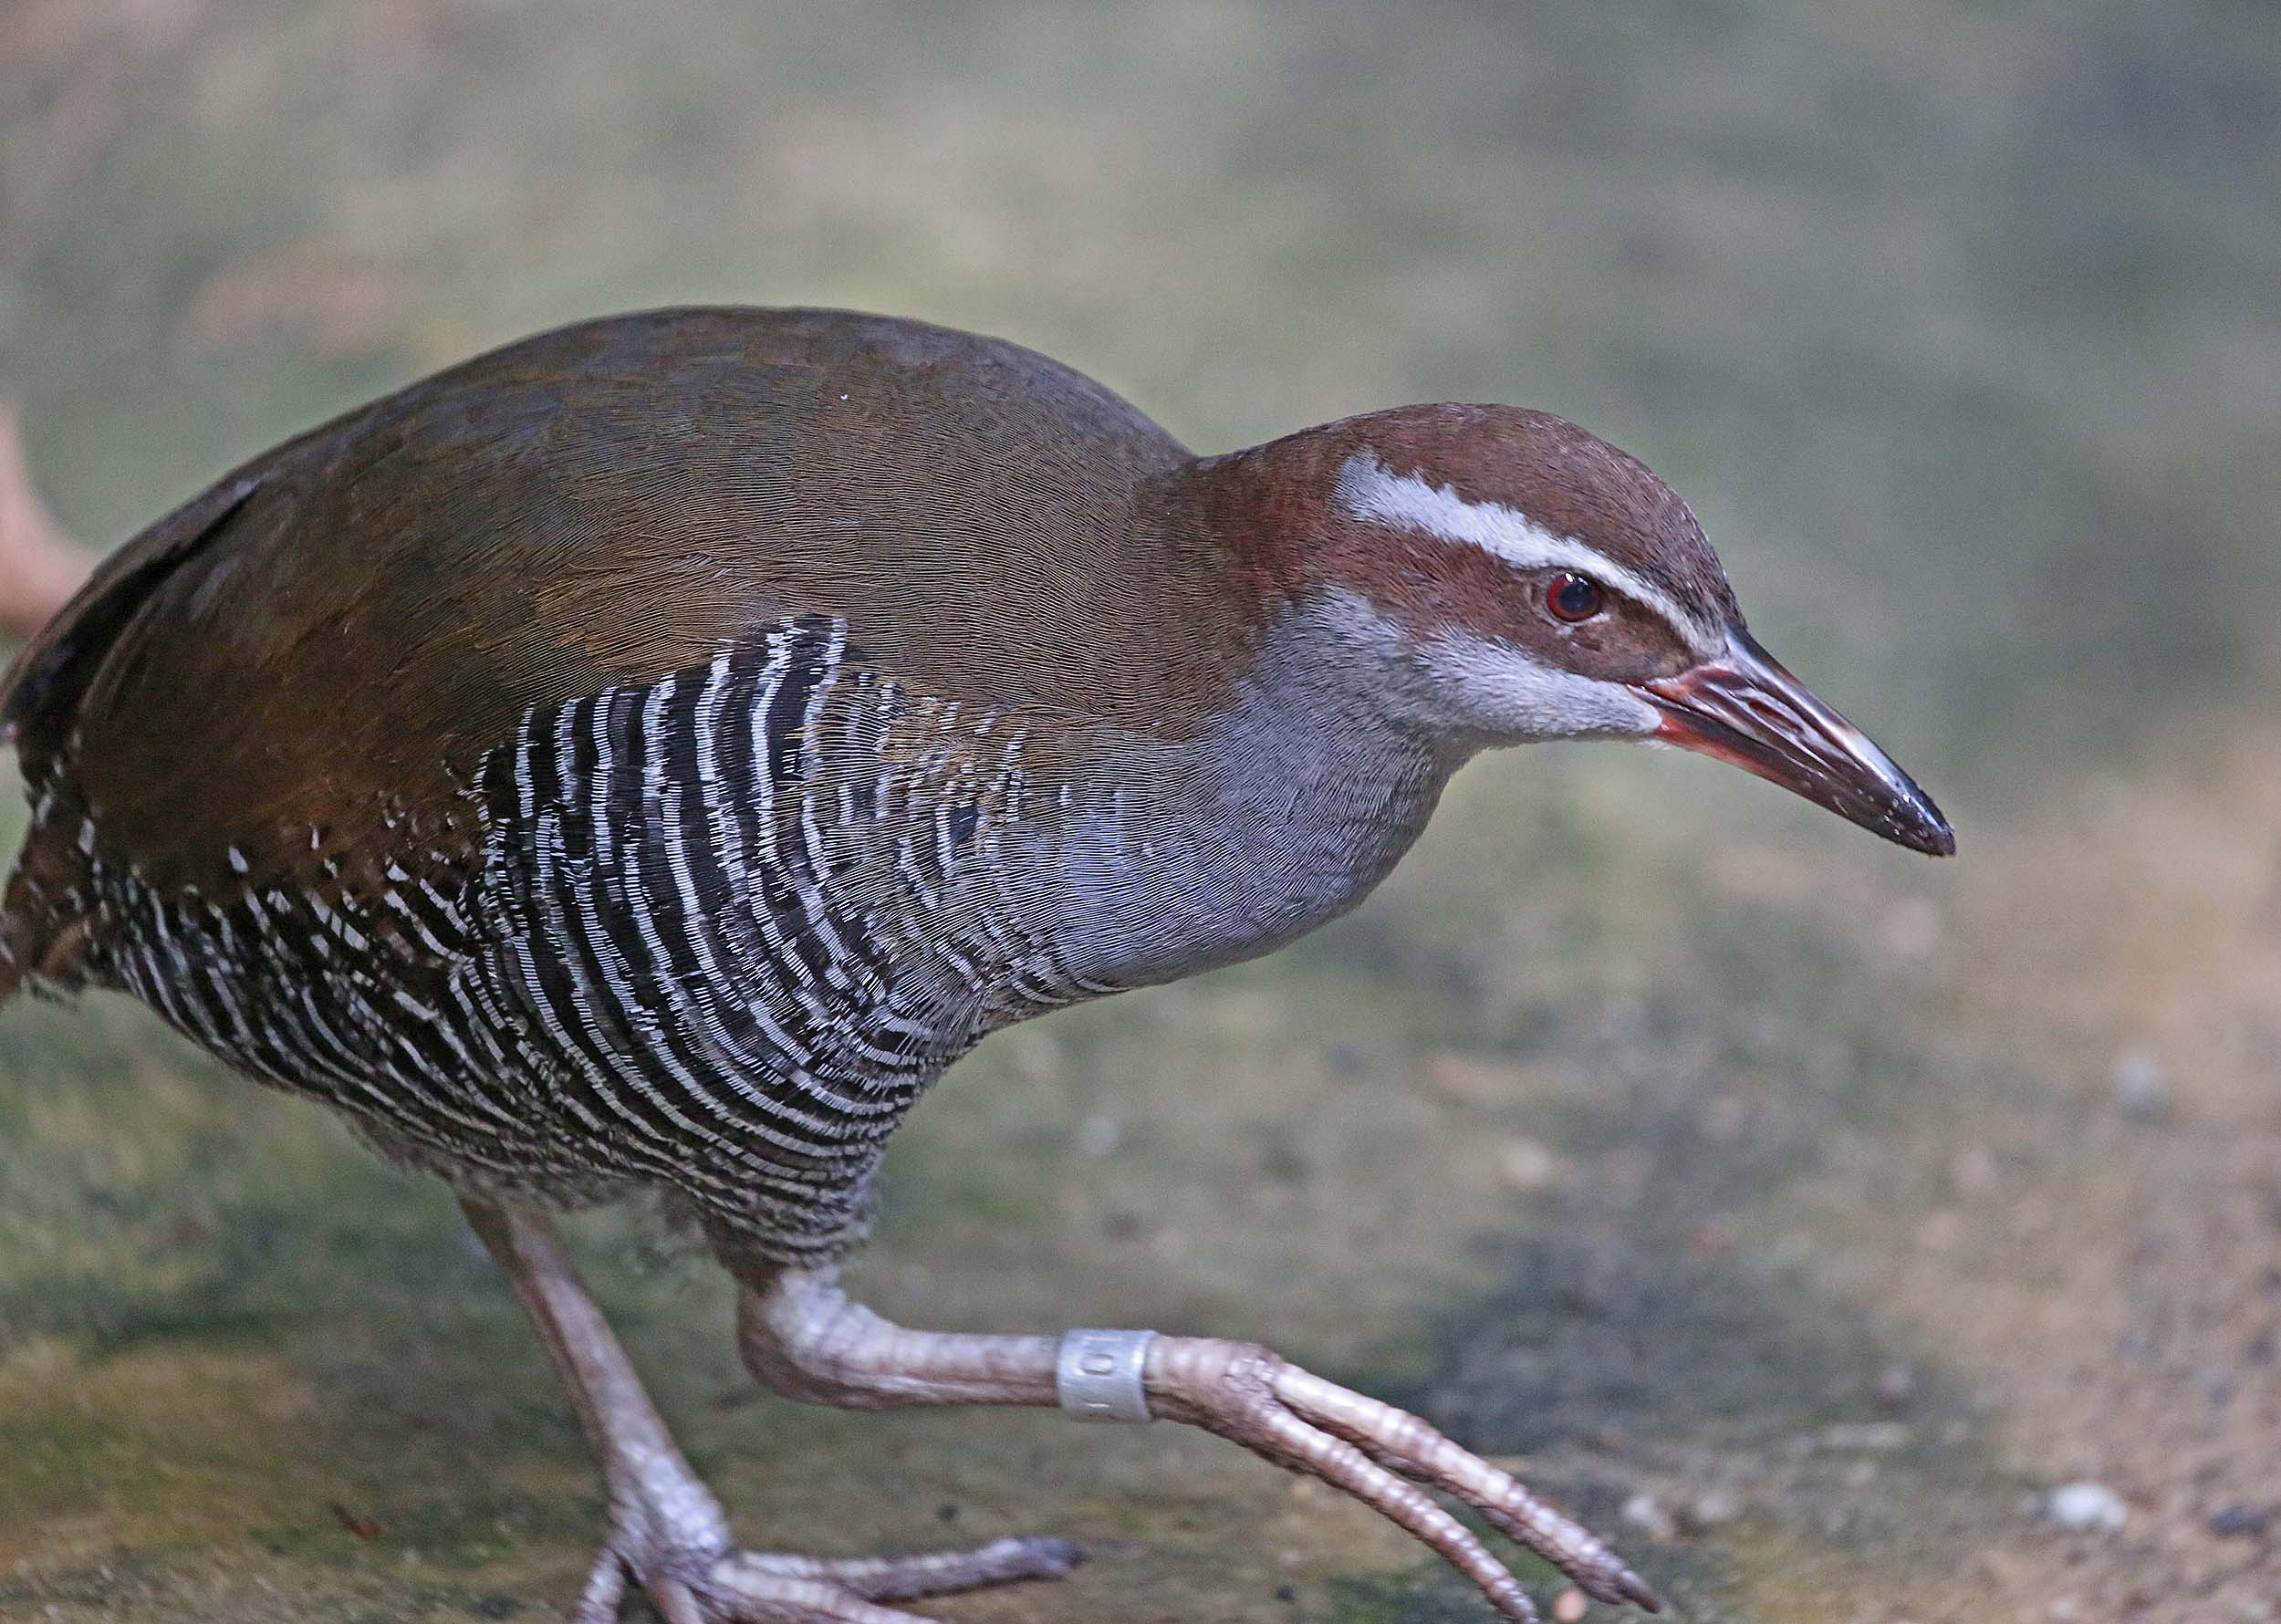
(748,1597)
(1388,1459)
(769,1588)
(908,1578)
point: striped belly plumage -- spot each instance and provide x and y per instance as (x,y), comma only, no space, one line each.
(715,931)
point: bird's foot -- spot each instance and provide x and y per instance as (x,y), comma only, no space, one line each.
(696,1584)
(803,1337)
(668,1536)
(1383,1457)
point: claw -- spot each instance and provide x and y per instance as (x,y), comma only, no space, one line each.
(1404,1444)
(1383,1457)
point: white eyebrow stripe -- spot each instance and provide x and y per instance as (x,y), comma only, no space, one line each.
(1368,490)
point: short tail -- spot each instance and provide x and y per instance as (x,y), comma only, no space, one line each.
(45,932)
(14,947)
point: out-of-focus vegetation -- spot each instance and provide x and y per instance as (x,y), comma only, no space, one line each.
(1841,1205)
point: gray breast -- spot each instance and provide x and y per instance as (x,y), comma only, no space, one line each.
(1285,814)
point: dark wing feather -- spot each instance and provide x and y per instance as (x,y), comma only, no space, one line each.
(39,695)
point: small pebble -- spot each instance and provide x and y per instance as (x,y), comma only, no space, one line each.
(1097,1136)
(2087,1508)
(2239,1522)
(2140,1090)
(1570,1605)
(1528,1164)
(1645,1513)
(1713,1507)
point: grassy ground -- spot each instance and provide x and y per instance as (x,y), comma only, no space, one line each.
(1679,1142)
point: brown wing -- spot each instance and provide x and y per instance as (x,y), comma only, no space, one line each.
(319,649)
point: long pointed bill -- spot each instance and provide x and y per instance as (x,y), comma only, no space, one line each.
(1744,708)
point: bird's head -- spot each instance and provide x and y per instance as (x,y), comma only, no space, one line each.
(1522,579)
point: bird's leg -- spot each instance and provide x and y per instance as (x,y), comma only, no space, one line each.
(667,1534)
(803,1337)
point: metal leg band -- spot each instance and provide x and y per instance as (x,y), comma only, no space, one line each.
(1099,1375)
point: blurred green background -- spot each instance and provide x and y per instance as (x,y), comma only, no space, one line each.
(1803,1212)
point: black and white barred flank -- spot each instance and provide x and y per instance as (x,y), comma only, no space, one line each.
(721,932)
(717,931)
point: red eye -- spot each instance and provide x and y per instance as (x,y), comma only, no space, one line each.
(1573,597)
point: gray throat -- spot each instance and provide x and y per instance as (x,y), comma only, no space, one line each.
(1283,816)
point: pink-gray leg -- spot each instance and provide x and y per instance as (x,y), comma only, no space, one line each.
(803,1337)
(667,1532)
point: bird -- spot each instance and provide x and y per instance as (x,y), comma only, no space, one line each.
(643,757)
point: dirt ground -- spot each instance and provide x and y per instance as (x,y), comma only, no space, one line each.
(1818,1222)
